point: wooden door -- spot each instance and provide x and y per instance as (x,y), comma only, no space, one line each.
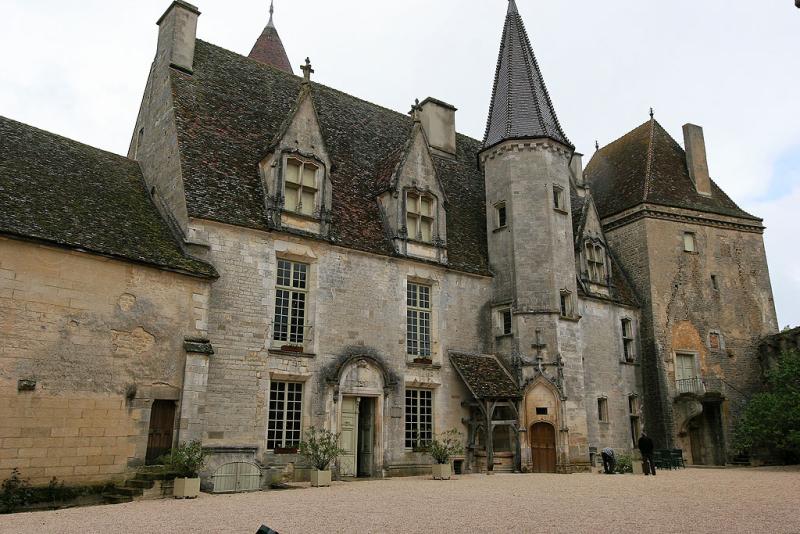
(159,437)
(543,448)
(348,439)
(366,435)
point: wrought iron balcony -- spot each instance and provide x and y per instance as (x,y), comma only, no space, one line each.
(690,385)
(700,386)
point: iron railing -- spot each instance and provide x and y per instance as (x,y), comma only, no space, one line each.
(700,386)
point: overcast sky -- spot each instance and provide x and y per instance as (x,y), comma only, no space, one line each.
(79,69)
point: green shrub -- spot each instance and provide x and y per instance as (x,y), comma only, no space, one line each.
(771,420)
(624,464)
(320,447)
(16,492)
(186,460)
(446,445)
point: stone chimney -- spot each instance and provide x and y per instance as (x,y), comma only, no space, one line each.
(576,167)
(439,122)
(177,30)
(696,158)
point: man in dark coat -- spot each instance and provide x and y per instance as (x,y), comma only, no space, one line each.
(646,447)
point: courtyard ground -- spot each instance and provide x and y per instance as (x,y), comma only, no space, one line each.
(690,500)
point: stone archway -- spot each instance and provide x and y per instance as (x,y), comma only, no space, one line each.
(359,395)
(544,449)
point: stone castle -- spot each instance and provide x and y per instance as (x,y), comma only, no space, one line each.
(274,254)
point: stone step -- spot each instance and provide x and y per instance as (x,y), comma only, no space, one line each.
(140,483)
(113,498)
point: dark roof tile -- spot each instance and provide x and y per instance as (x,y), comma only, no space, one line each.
(484,376)
(66,193)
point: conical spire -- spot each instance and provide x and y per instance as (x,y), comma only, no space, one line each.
(521,107)
(269,48)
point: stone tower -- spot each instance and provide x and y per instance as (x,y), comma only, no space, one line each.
(526,160)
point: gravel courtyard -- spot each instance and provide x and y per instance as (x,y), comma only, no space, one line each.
(690,500)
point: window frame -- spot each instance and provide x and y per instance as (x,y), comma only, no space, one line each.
(506,322)
(296,411)
(596,269)
(420,217)
(300,186)
(558,198)
(602,410)
(634,408)
(422,334)
(501,215)
(690,242)
(289,334)
(566,304)
(628,340)
(414,418)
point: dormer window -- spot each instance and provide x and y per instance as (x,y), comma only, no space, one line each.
(596,262)
(301,187)
(420,209)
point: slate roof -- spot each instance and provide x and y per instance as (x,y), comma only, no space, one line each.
(521,107)
(648,166)
(231,108)
(484,376)
(62,192)
(268,48)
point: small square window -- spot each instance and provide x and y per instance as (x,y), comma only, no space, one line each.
(689,242)
(567,305)
(714,341)
(541,410)
(502,219)
(558,198)
(714,282)
(602,410)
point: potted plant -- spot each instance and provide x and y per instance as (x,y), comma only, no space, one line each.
(442,448)
(186,460)
(320,448)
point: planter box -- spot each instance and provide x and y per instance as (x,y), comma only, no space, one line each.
(320,478)
(441,471)
(186,488)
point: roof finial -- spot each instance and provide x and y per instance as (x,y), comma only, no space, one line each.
(271,11)
(307,71)
(415,109)
(596,145)
(652,113)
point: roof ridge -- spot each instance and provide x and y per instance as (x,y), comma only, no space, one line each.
(70,139)
(328,87)
(648,174)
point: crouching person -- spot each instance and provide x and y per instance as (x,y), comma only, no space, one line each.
(609,460)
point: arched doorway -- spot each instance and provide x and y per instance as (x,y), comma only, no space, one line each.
(543,447)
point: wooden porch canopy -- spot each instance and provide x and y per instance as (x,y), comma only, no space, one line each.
(492,387)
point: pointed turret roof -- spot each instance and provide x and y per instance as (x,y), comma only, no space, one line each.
(521,107)
(269,48)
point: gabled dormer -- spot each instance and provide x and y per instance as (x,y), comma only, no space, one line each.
(591,249)
(296,172)
(412,201)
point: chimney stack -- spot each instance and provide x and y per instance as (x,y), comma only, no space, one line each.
(177,30)
(439,122)
(696,158)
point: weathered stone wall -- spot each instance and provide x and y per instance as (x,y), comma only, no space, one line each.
(101,339)
(682,309)
(607,374)
(357,307)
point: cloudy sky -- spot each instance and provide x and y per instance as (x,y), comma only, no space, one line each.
(79,69)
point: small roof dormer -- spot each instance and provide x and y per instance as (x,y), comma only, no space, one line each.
(269,47)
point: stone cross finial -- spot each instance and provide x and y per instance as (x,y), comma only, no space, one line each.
(415,109)
(307,71)
(652,113)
